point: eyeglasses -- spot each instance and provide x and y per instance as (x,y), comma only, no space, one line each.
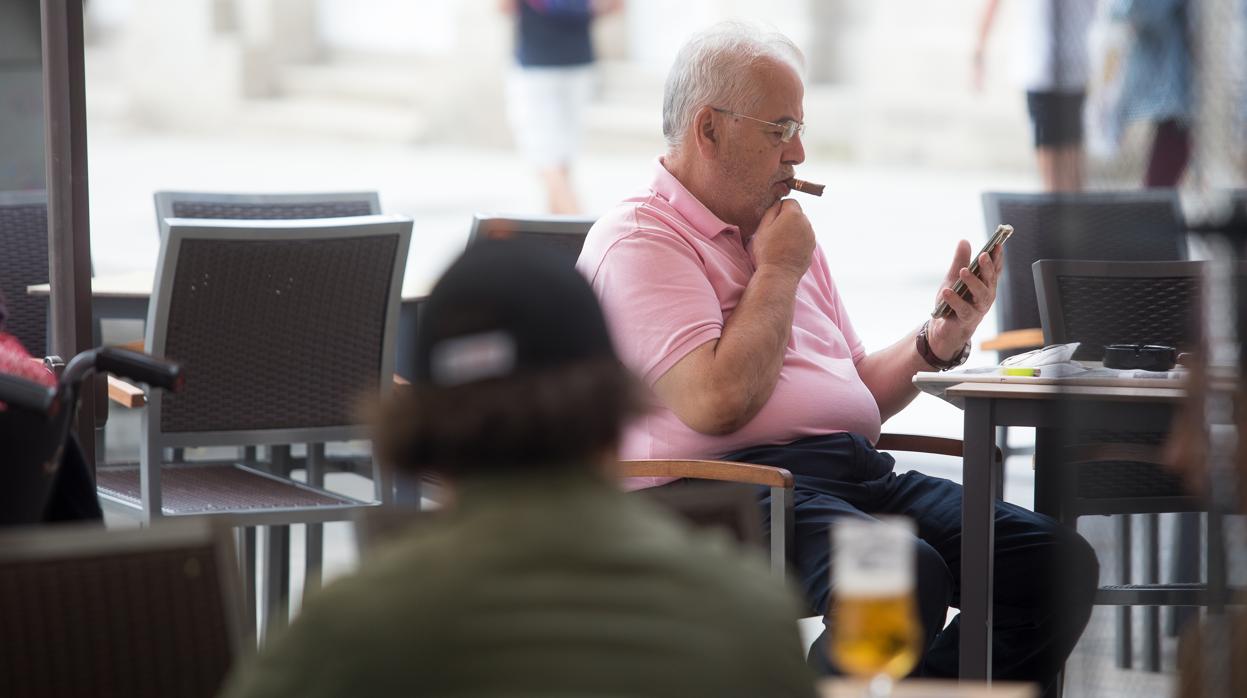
(787,128)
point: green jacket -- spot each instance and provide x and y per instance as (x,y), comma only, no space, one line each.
(544,588)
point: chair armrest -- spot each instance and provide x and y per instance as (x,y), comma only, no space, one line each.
(916,443)
(125,394)
(726,471)
(1030,338)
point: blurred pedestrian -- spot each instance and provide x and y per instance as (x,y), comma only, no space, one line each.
(1050,59)
(1157,82)
(543,577)
(550,86)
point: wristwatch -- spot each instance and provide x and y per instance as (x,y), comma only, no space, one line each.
(924,350)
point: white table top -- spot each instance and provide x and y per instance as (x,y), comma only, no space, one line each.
(138,284)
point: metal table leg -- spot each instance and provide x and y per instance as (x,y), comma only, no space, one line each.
(978,538)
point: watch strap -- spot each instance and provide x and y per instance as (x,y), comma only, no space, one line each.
(923,345)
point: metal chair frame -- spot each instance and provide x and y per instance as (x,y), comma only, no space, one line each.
(166,201)
(252,206)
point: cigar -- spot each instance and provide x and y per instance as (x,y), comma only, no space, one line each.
(806,187)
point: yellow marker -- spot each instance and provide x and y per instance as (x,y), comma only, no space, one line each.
(1028,372)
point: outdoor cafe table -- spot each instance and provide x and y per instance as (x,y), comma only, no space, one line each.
(126,297)
(926,688)
(1049,408)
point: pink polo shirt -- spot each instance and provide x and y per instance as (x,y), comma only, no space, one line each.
(669,274)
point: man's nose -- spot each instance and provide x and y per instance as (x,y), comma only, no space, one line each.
(794,150)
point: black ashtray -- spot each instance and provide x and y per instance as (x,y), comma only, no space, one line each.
(1140,357)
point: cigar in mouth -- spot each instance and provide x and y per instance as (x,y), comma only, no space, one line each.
(806,187)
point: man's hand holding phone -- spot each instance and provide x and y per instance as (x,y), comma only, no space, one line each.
(968,291)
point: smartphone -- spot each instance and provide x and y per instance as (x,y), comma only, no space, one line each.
(942,309)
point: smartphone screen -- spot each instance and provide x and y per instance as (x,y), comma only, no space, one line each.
(1002,233)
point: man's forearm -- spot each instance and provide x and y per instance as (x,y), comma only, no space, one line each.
(750,353)
(888,373)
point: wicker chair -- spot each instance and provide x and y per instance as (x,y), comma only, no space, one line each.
(24,240)
(1100,303)
(1114,226)
(152,612)
(284,328)
(268,206)
(563,233)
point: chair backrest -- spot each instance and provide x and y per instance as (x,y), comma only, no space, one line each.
(1112,226)
(186,204)
(563,233)
(1102,303)
(139,612)
(24,262)
(283,328)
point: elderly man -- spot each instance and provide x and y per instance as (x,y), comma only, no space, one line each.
(719,298)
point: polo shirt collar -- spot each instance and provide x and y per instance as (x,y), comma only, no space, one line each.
(695,212)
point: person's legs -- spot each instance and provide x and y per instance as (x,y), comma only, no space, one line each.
(1171,149)
(1045,578)
(1061,167)
(1057,121)
(543,106)
(560,195)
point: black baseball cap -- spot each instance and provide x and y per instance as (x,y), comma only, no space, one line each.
(507,308)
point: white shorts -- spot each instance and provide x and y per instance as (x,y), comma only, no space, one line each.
(545,106)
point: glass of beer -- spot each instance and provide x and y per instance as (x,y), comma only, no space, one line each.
(875,632)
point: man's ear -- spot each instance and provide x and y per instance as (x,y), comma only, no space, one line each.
(706,133)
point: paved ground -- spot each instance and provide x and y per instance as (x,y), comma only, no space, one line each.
(889,236)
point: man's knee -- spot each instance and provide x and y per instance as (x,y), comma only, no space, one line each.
(1078,558)
(1068,568)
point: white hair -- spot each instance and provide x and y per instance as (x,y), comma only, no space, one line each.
(709,71)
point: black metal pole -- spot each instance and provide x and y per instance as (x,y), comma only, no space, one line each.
(69,235)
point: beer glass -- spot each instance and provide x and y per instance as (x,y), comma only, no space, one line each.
(875,632)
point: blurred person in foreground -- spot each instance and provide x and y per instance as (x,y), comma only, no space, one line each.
(720,300)
(543,578)
(550,86)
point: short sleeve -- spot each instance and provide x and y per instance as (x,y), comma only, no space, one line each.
(657,299)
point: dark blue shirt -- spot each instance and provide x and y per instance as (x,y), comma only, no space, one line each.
(554,33)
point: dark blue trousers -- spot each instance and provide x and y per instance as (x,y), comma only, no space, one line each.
(1046,574)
